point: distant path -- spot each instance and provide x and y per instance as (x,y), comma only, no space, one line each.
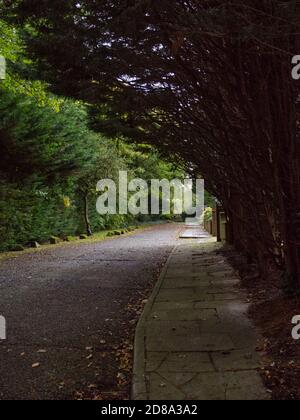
(68,309)
(195,340)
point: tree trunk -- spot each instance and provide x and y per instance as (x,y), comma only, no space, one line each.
(86,216)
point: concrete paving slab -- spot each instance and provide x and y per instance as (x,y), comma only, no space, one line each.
(162,390)
(193,342)
(232,386)
(155,360)
(171,283)
(187,362)
(195,339)
(184,314)
(236,360)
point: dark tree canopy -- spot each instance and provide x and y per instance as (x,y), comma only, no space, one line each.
(208,81)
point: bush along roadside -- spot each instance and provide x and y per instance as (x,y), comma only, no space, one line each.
(98,236)
(51,160)
(50,165)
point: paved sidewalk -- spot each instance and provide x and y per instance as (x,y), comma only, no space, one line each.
(194,340)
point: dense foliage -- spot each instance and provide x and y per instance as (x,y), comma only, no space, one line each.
(50,164)
(51,160)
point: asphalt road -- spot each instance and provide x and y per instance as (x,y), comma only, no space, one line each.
(69,311)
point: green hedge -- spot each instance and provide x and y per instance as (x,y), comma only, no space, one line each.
(32,214)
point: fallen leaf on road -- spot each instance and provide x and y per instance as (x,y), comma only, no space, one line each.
(35,365)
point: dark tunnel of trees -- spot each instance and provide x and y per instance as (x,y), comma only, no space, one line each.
(208,82)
